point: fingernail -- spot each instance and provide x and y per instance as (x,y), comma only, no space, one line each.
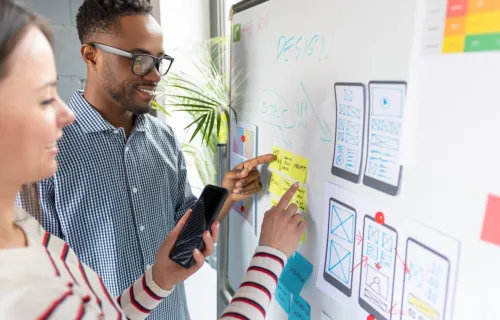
(238,185)
(197,252)
(217,225)
(236,191)
(296,184)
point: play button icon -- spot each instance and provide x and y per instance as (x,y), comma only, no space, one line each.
(384,102)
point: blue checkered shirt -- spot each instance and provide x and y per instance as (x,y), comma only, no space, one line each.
(114,200)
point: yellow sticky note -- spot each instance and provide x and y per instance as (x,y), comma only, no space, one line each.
(276,164)
(285,185)
(287,163)
(299,171)
(274,202)
(304,237)
(300,199)
(275,184)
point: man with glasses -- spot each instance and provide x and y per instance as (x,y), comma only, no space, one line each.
(122,183)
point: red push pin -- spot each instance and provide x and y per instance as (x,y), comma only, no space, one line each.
(370,317)
(379,217)
(242,209)
(243,138)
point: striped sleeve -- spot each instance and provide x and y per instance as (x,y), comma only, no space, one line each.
(45,300)
(142,297)
(252,299)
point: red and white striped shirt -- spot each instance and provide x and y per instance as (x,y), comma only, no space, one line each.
(45,280)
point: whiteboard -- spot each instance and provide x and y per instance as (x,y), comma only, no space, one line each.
(328,81)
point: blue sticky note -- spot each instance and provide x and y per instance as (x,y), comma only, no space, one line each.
(300,309)
(283,297)
(297,270)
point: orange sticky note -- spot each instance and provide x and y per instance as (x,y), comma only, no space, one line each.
(287,163)
(276,164)
(299,171)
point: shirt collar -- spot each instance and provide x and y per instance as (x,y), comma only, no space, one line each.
(92,121)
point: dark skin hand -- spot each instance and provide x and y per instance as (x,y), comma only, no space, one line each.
(243,181)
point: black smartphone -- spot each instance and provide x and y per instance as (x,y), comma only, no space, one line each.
(205,212)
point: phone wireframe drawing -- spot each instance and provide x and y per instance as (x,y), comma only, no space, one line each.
(339,255)
(376,286)
(425,285)
(349,130)
(383,171)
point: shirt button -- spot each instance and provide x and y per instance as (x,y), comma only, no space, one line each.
(127,149)
(115,131)
(142,228)
(134,190)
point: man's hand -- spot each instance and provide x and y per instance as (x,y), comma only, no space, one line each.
(167,273)
(244,180)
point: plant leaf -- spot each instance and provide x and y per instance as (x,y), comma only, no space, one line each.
(200,124)
(198,119)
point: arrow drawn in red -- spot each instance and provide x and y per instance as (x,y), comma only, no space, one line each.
(405,266)
(393,310)
(359,238)
(363,262)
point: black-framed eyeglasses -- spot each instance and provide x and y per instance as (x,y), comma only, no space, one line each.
(142,63)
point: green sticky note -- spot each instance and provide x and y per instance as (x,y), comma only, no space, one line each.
(237,32)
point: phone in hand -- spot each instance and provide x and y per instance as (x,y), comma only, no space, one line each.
(205,212)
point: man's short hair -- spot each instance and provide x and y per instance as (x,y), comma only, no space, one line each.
(97,17)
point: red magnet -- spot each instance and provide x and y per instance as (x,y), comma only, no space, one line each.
(243,138)
(379,217)
(370,317)
(242,209)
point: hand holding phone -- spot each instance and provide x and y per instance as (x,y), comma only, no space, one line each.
(167,273)
(204,214)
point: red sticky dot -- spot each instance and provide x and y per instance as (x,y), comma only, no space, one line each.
(379,217)
(242,209)
(243,138)
(370,317)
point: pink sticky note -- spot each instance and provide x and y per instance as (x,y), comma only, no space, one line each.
(491,223)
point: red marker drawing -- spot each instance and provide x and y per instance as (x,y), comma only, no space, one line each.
(363,262)
(359,238)
(393,310)
(379,217)
(405,266)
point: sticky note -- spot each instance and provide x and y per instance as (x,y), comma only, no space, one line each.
(276,164)
(283,297)
(299,309)
(299,171)
(300,198)
(285,185)
(287,163)
(304,237)
(490,232)
(274,202)
(275,184)
(297,270)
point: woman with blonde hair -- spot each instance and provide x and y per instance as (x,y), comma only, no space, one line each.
(40,276)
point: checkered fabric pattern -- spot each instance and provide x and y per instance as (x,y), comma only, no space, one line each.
(114,200)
